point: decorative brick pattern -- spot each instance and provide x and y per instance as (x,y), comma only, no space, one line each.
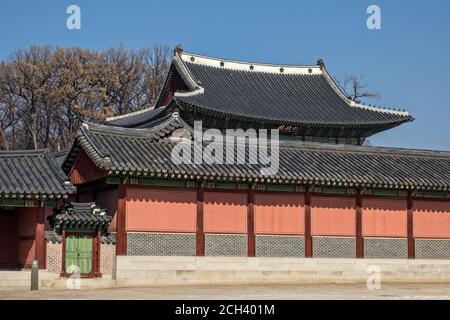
(107,253)
(226,245)
(161,244)
(280,246)
(334,247)
(54,257)
(432,249)
(385,248)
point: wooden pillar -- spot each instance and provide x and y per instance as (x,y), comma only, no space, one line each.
(410,228)
(251,241)
(200,235)
(63,255)
(121,232)
(308,236)
(40,245)
(96,254)
(359,235)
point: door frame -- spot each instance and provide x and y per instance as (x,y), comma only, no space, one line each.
(95,253)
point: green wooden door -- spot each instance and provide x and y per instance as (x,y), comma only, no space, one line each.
(79,253)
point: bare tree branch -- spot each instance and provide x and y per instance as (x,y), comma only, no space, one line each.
(46,92)
(356,88)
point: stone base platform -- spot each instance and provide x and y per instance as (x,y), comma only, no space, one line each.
(164,270)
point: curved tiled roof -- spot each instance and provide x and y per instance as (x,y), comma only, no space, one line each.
(80,215)
(32,174)
(136,118)
(298,95)
(135,153)
(294,95)
(159,129)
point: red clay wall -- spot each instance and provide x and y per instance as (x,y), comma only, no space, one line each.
(225,212)
(161,210)
(333,216)
(384,217)
(431,219)
(175,211)
(279,214)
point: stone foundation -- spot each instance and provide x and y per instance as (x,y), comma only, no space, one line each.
(143,271)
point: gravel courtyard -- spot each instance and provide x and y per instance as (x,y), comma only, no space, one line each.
(302,292)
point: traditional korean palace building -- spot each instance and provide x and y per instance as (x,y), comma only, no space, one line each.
(332,197)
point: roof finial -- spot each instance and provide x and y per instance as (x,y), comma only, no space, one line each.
(178,49)
(321,63)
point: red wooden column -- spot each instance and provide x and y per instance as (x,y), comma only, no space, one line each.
(121,241)
(308,236)
(410,228)
(251,241)
(96,254)
(200,235)
(359,235)
(40,245)
(63,255)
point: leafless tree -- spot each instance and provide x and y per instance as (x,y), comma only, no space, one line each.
(46,92)
(355,86)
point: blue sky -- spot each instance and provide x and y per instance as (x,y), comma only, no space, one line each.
(407,61)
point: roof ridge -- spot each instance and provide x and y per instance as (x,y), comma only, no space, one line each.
(284,144)
(119,131)
(254,63)
(18,152)
(364,149)
(282,69)
(121,116)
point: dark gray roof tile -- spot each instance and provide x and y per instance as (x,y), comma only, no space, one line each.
(299,96)
(140,152)
(80,215)
(32,173)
